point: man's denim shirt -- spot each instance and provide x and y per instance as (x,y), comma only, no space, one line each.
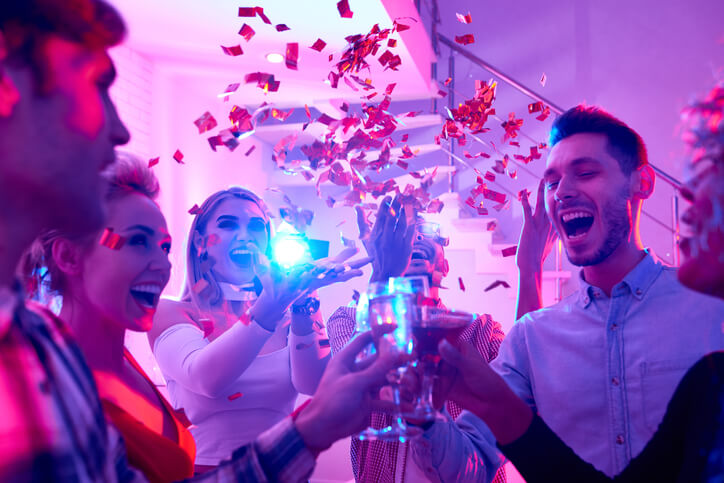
(600,370)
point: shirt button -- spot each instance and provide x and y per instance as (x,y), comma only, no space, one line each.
(615,381)
(619,439)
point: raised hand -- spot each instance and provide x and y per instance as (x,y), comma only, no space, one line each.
(537,236)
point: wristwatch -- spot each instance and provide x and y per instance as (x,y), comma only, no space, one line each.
(307,306)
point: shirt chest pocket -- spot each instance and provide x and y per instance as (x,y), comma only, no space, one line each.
(658,383)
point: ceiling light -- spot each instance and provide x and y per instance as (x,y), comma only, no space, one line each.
(275,58)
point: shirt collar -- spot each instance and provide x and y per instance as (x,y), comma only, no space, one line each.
(10,299)
(637,281)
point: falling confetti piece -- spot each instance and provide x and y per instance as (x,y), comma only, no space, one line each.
(543,79)
(111,240)
(497,283)
(343,7)
(465,39)
(460,282)
(234,396)
(194,210)
(510,251)
(523,193)
(464,18)
(318,45)
(392,43)
(205,123)
(282,27)
(232,51)
(492,225)
(153,162)
(292,55)
(247,12)
(250,150)
(246,32)
(178,156)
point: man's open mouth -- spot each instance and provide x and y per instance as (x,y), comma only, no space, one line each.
(421,252)
(147,295)
(576,223)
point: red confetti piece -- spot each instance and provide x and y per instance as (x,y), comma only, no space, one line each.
(282,27)
(402,164)
(543,79)
(392,43)
(111,240)
(207,325)
(263,81)
(493,195)
(535,107)
(464,18)
(460,282)
(510,251)
(232,51)
(435,206)
(489,176)
(344,11)
(234,396)
(400,27)
(246,32)
(250,150)
(404,138)
(544,114)
(492,225)
(497,283)
(178,156)
(522,193)
(205,123)
(465,39)
(447,81)
(194,210)
(153,162)
(390,88)
(247,11)
(281,115)
(231,88)
(292,55)
(318,45)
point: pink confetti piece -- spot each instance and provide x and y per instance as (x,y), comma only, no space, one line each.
(510,251)
(235,396)
(111,240)
(461,283)
(392,43)
(492,225)
(543,79)
(178,156)
(292,55)
(247,32)
(231,88)
(153,162)
(250,150)
(207,325)
(247,12)
(464,18)
(282,27)
(194,210)
(205,123)
(343,8)
(535,107)
(523,193)
(465,39)
(233,50)
(497,283)
(318,45)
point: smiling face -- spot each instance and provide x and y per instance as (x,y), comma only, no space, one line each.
(125,285)
(234,236)
(702,242)
(587,198)
(61,134)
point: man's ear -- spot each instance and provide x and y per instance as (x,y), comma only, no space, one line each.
(67,256)
(9,94)
(642,182)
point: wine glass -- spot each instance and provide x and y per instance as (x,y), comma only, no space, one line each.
(385,304)
(432,326)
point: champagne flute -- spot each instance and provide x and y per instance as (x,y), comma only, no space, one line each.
(386,304)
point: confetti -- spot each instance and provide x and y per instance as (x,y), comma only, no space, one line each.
(460,282)
(247,12)
(495,284)
(178,156)
(493,195)
(318,45)
(464,18)
(205,123)
(194,210)
(543,79)
(260,13)
(522,193)
(246,32)
(535,107)
(263,81)
(153,162)
(343,7)
(492,225)
(292,54)
(544,114)
(282,27)
(111,240)
(465,39)
(234,396)
(510,251)
(435,206)
(392,43)
(200,286)
(232,51)
(250,150)
(207,325)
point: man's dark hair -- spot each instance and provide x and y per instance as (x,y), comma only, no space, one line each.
(624,144)
(25,24)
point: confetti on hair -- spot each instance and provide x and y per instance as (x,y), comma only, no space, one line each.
(250,150)
(464,18)
(318,45)
(153,162)
(497,283)
(246,32)
(510,251)
(233,51)
(343,8)
(235,396)
(282,27)
(111,240)
(292,55)
(178,156)
(205,123)
(194,210)
(465,39)
(461,283)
